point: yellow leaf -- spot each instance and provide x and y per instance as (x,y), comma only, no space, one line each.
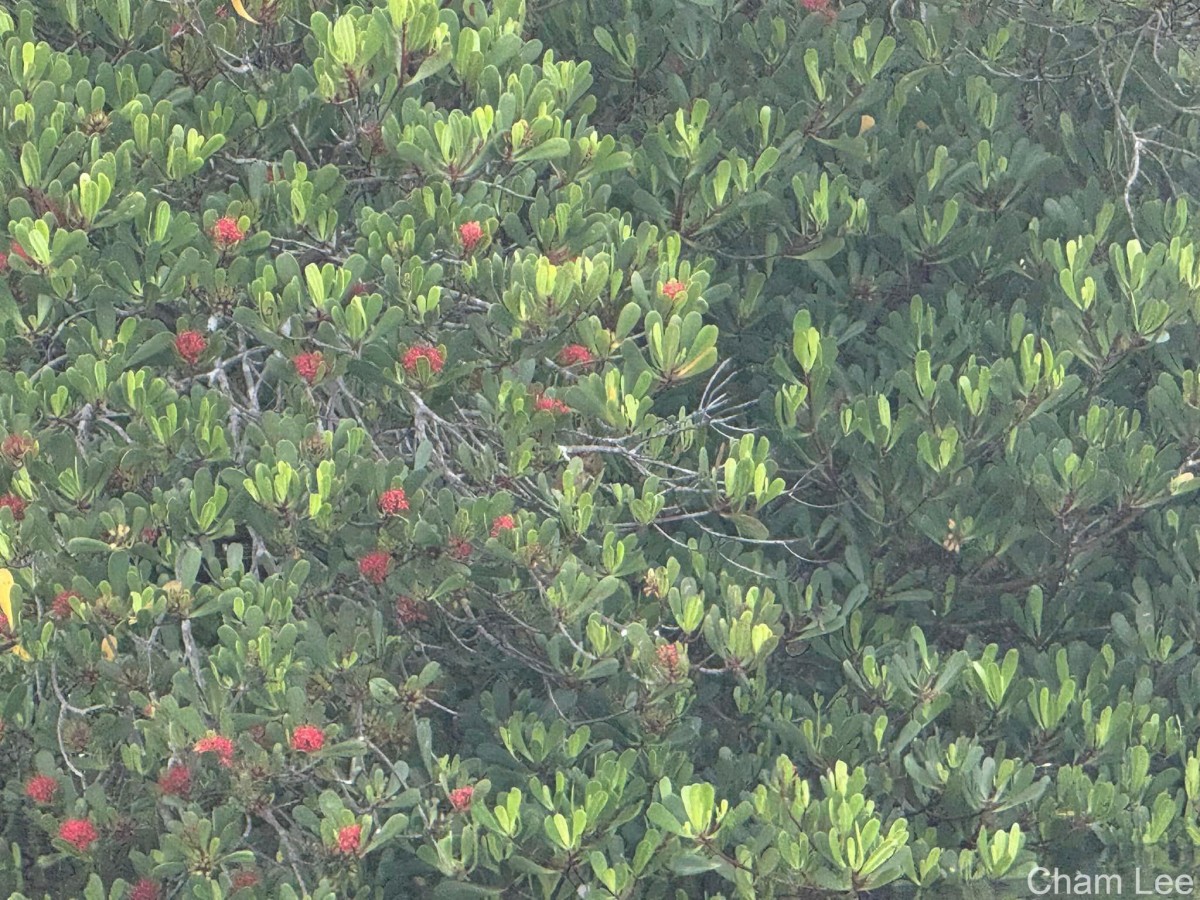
(240,9)
(6,586)
(108,648)
(866,124)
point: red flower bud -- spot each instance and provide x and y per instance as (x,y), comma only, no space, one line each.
(15,504)
(673,289)
(60,607)
(176,781)
(144,890)
(503,523)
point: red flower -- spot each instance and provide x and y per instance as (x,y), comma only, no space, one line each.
(427,352)
(41,788)
(20,251)
(348,839)
(176,781)
(815,5)
(16,447)
(374,566)
(308,365)
(5,626)
(79,833)
(14,503)
(393,502)
(409,612)
(359,288)
(308,739)
(503,523)
(191,346)
(575,355)
(60,607)
(460,798)
(3,262)
(218,744)
(550,404)
(149,535)
(144,890)
(244,878)
(673,289)
(226,233)
(460,548)
(470,233)
(668,657)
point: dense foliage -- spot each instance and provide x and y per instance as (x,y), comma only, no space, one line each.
(596,448)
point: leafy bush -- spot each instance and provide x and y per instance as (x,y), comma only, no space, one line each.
(596,448)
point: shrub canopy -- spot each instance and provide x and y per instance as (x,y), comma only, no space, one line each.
(596,448)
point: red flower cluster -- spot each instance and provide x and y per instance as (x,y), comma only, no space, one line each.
(460,798)
(470,233)
(393,502)
(20,251)
(218,744)
(79,833)
(226,233)
(409,611)
(60,606)
(14,503)
(308,365)
(673,289)
(176,780)
(41,788)
(16,447)
(244,878)
(550,404)
(3,262)
(427,352)
(815,5)
(191,346)
(5,626)
(348,839)
(503,523)
(374,566)
(460,548)
(144,890)
(575,355)
(308,739)
(668,657)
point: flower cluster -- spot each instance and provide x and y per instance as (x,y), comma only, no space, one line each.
(503,523)
(145,889)
(393,502)
(375,565)
(550,404)
(60,606)
(308,365)
(409,611)
(460,798)
(79,833)
(460,548)
(14,504)
(176,780)
(227,233)
(673,289)
(218,744)
(470,233)
(348,839)
(41,789)
(308,739)
(190,345)
(668,657)
(16,447)
(575,355)
(429,353)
